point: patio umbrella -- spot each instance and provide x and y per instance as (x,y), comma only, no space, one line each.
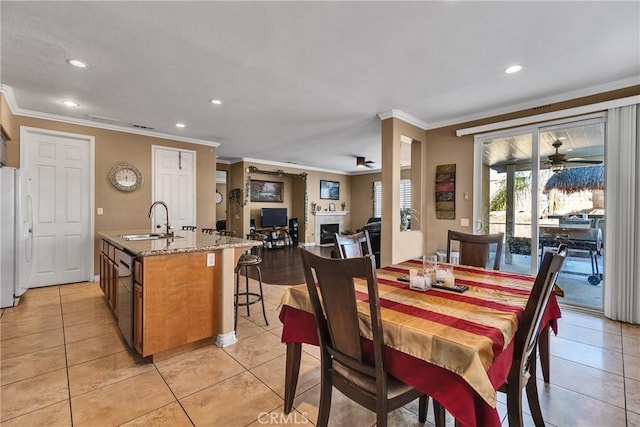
(573,180)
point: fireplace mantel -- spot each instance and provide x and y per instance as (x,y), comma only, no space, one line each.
(331,213)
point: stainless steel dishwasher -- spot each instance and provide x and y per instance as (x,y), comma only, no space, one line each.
(125,294)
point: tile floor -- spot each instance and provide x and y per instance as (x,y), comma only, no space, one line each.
(64,363)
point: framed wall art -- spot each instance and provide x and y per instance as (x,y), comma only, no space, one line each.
(446,191)
(329,190)
(266,191)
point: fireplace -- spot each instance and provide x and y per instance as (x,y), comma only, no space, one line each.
(322,218)
(327,231)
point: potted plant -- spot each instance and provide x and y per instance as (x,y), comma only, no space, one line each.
(405,217)
(343,205)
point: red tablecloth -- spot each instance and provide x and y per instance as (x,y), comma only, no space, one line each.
(447,387)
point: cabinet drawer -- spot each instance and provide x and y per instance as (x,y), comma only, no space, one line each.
(137,272)
(105,247)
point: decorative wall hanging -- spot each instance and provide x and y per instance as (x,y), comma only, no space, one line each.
(329,190)
(446,191)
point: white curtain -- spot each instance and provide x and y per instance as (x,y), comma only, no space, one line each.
(622,208)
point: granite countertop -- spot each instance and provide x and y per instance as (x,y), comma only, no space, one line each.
(185,241)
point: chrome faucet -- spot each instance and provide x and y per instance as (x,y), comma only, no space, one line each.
(169,232)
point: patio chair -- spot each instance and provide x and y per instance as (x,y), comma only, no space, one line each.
(342,362)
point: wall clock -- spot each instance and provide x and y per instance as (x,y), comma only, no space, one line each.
(218,197)
(125,177)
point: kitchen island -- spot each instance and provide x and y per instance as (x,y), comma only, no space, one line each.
(173,293)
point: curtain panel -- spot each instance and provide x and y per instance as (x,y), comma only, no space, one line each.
(622,207)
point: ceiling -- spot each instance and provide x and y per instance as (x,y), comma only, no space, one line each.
(303,82)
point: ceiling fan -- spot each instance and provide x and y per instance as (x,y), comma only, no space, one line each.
(557,160)
(361,162)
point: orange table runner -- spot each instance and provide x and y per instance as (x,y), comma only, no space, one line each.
(462,333)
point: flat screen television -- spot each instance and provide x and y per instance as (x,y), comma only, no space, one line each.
(273,217)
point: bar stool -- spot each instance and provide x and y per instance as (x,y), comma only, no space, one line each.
(189,228)
(252,258)
(207,230)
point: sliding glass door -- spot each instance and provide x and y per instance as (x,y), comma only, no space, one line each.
(542,186)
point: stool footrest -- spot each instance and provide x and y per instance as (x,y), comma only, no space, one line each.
(257,298)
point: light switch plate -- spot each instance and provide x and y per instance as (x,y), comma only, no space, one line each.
(100,211)
(211,260)
(464,222)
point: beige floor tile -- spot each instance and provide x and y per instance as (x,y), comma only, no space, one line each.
(83,306)
(256,350)
(402,417)
(35,342)
(632,367)
(35,393)
(29,326)
(171,415)
(32,364)
(94,348)
(631,345)
(592,337)
(237,401)
(56,415)
(26,310)
(596,357)
(590,321)
(121,402)
(633,419)
(247,328)
(72,288)
(632,391)
(277,331)
(344,411)
(83,331)
(203,367)
(562,407)
(313,350)
(583,379)
(631,330)
(95,314)
(272,374)
(277,417)
(98,373)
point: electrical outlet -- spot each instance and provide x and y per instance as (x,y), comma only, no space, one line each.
(211,260)
(100,211)
(464,222)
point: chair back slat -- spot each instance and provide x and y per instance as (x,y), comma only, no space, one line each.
(332,282)
(530,325)
(474,248)
(354,245)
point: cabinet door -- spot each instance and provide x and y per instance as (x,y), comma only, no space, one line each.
(137,317)
(113,295)
(103,271)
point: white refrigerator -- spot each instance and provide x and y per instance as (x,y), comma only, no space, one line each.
(16,235)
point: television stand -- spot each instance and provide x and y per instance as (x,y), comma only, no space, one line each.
(275,237)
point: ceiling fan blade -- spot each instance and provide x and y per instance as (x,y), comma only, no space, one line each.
(585,161)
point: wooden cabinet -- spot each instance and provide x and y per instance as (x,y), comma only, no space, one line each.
(109,276)
(176,300)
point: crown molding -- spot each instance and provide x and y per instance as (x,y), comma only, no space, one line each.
(17,111)
(567,96)
(399,114)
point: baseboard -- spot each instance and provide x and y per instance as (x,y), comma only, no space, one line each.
(224,340)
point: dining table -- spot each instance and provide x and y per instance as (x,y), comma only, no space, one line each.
(455,347)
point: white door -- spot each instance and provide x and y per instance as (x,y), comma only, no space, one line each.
(60,166)
(174,182)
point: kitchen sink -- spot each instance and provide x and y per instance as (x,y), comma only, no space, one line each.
(149,236)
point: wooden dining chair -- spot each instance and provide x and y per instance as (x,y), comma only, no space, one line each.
(353,245)
(474,248)
(523,366)
(343,362)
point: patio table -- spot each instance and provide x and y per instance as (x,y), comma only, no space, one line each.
(454,347)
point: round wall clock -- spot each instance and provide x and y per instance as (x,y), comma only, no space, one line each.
(125,177)
(218,197)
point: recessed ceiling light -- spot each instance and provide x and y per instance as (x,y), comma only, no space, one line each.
(513,69)
(70,103)
(77,63)
(180,125)
(215,101)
